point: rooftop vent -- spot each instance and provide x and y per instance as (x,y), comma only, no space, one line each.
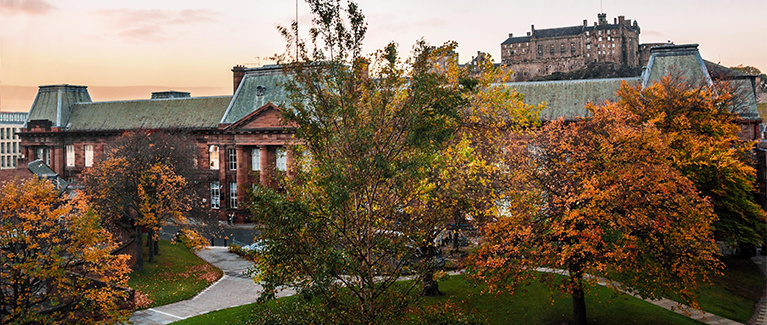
(170,94)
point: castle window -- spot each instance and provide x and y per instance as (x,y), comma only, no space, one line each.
(562,48)
(88,155)
(551,49)
(70,156)
(215,195)
(588,46)
(213,150)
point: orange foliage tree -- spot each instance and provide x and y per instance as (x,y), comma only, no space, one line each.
(598,197)
(55,262)
(144,182)
(699,123)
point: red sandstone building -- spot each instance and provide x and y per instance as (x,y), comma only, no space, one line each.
(241,139)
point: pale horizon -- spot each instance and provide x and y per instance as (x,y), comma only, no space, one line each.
(126,50)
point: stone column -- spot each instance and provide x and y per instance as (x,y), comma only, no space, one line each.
(264,177)
(242,174)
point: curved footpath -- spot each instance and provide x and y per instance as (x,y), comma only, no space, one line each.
(235,288)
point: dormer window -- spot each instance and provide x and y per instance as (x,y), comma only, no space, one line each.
(260,90)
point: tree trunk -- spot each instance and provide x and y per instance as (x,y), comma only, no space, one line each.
(139,250)
(157,247)
(150,244)
(579,301)
(430,286)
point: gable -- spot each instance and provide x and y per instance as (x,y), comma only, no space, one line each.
(267,117)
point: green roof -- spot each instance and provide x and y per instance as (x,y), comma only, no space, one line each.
(259,86)
(176,113)
(568,98)
(54,102)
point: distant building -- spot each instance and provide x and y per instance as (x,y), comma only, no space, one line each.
(10,144)
(545,51)
(241,139)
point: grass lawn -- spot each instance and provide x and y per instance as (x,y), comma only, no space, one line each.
(177,274)
(531,307)
(735,293)
(732,295)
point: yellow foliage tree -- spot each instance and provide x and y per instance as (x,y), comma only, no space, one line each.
(55,262)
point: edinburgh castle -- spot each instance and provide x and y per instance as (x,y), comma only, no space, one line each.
(552,51)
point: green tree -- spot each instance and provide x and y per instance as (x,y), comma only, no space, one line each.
(381,175)
(700,124)
(598,197)
(55,262)
(145,180)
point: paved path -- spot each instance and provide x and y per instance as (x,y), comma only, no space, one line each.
(760,315)
(233,289)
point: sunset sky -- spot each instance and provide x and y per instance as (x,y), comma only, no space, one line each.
(126,49)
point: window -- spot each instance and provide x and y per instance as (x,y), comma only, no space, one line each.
(232,158)
(255,159)
(88,155)
(70,155)
(14,161)
(2,134)
(44,154)
(233,195)
(281,160)
(213,150)
(3,161)
(215,195)
(14,148)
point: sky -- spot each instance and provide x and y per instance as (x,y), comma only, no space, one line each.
(127,49)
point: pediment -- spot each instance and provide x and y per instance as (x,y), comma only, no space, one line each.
(267,117)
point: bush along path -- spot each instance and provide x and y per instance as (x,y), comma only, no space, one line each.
(235,288)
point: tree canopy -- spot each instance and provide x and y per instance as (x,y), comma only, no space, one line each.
(55,262)
(699,121)
(145,180)
(599,197)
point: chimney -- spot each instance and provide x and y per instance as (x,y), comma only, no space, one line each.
(528,33)
(585,22)
(615,21)
(533,28)
(622,20)
(511,35)
(239,73)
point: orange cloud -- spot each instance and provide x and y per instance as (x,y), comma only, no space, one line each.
(29,7)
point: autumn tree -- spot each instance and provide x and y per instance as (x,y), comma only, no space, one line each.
(55,262)
(146,180)
(381,143)
(598,197)
(700,121)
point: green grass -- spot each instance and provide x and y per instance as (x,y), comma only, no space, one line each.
(732,295)
(534,306)
(735,293)
(177,274)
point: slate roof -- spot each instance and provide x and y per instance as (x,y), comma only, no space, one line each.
(175,113)
(568,98)
(259,87)
(54,102)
